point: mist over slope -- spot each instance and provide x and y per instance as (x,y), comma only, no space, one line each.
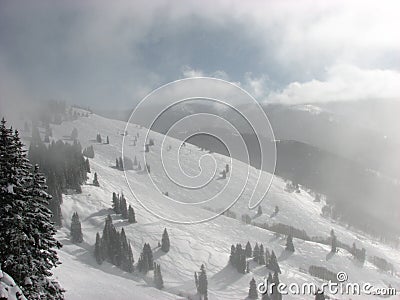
(192,245)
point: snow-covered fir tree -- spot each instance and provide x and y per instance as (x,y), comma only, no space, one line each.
(146,262)
(289,243)
(248,250)
(273,263)
(116,206)
(261,255)
(202,283)
(131,215)
(27,242)
(165,244)
(95,180)
(76,229)
(253,293)
(97,249)
(158,280)
(123,206)
(256,253)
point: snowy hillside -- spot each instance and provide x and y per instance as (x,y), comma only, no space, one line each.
(194,244)
(8,289)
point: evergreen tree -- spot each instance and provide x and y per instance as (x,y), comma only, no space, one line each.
(261,257)
(267,257)
(196,281)
(248,250)
(146,259)
(76,229)
(253,294)
(27,243)
(117,163)
(158,280)
(273,263)
(289,243)
(87,164)
(232,257)
(165,245)
(256,253)
(123,207)
(120,163)
(276,295)
(333,242)
(266,296)
(95,180)
(131,215)
(126,253)
(203,283)
(116,203)
(98,138)
(108,140)
(97,249)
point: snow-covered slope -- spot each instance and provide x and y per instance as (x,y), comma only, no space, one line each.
(8,289)
(195,244)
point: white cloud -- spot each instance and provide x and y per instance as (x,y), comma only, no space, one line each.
(342,83)
(188,72)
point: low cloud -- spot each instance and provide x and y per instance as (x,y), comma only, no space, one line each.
(342,83)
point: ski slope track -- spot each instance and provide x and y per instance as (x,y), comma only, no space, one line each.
(195,244)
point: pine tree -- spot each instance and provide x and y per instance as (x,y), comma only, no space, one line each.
(25,254)
(276,295)
(76,229)
(95,180)
(117,163)
(273,263)
(261,257)
(97,249)
(248,250)
(266,296)
(121,163)
(333,242)
(165,245)
(289,243)
(131,215)
(123,207)
(267,257)
(256,252)
(158,280)
(116,203)
(203,283)
(196,281)
(126,253)
(253,294)
(232,257)
(108,140)
(87,164)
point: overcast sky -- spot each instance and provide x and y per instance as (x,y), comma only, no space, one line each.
(110,54)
